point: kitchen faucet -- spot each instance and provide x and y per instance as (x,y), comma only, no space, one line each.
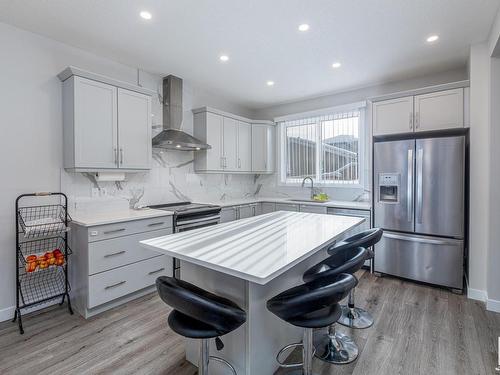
(312,185)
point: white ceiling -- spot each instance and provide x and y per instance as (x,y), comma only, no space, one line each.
(376,40)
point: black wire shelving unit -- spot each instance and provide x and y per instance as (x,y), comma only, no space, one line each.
(41,229)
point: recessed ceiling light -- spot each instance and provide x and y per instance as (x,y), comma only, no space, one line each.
(224,58)
(336,65)
(432,38)
(146,15)
(303,27)
(270,83)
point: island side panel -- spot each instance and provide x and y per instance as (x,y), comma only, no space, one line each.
(268,333)
(235,343)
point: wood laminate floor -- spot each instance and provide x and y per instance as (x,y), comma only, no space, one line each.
(418,330)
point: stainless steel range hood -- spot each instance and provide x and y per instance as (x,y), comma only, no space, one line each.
(171,137)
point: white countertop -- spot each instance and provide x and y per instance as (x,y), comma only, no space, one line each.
(256,249)
(337,204)
(89,220)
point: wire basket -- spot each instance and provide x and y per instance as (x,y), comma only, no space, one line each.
(43,285)
(39,248)
(42,221)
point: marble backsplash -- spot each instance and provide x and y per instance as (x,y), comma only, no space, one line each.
(172,179)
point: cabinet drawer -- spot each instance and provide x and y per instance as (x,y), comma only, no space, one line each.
(116,252)
(104,232)
(287,207)
(109,285)
(313,209)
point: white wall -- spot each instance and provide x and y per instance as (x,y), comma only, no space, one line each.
(31,126)
(479,169)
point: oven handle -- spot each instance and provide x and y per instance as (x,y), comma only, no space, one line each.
(199,220)
(197,224)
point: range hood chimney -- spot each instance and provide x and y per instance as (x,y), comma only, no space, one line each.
(171,137)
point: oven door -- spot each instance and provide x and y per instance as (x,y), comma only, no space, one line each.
(190,224)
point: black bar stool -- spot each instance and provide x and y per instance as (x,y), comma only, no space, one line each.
(311,305)
(199,314)
(335,347)
(352,316)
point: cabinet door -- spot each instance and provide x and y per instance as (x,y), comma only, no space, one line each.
(95,124)
(230,140)
(393,116)
(134,130)
(287,207)
(439,110)
(228,214)
(214,124)
(268,207)
(244,146)
(247,211)
(262,148)
(315,209)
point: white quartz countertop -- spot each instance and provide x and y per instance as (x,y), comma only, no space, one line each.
(89,220)
(336,204)
(256,249)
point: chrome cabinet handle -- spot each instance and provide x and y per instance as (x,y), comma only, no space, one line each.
(155,224)
(411,120)
(121,156)
(115,285)
(114,231)
(114,254)
(156,271)
(420,157)
(239,163)
(409,187)
(417,120)
(115,153)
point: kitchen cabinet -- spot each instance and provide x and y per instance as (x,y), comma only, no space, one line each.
(244,146)
(393,116)
(228,214)
(425,112)
(232,213)
(315,209)
(268,207)
(105,127)
(262,148)
(230,139)
(110,267)
(248,210)
(439,110)
(287,207)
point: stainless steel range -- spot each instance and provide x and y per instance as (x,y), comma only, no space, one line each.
(189,216)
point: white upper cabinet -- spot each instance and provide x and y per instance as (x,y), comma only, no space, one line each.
(233,143)
(105,127)
(244,146)
(230,141)
(262,148)
(393,116)
(426,112)
(134,130)
(90,139)
(439,110)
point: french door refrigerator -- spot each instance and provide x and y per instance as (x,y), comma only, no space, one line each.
(419,202)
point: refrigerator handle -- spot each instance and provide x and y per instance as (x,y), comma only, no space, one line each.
(420,157)
(430,241)
(409,187)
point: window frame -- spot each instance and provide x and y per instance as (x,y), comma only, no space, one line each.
(362,146)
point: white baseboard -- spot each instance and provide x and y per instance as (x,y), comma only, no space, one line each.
(7,313)
(493,305)
(477,294)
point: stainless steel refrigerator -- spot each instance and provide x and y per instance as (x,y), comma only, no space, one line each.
(419,202)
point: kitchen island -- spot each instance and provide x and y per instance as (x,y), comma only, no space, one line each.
(250,261)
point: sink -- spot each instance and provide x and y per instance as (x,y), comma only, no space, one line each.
(306,200)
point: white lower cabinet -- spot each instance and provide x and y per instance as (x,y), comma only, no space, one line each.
(228,214)
(268,207)
(109,267)
(232,213)
(287,207)
(314,209)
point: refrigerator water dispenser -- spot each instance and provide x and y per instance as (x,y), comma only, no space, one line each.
(389,187)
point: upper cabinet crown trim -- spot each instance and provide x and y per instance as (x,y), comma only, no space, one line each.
(420,91)
(74,71)
(231,115)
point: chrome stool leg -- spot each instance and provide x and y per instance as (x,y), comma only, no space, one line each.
(308,352)
(205,358)
(335,347)
(355,317)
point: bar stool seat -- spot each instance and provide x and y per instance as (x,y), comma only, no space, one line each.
(310,305)
(199,314)
(353,316)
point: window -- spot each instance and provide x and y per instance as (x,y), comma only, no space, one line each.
(327,148)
